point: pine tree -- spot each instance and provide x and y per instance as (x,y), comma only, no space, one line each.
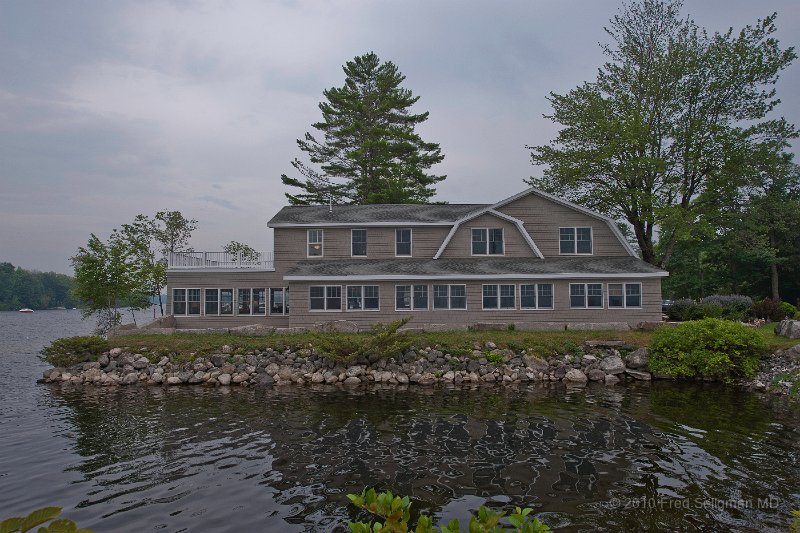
(370,152)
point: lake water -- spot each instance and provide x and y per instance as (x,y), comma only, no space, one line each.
(660,457)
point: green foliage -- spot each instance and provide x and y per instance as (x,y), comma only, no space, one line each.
(494,357)
(38,518)
(396,514)
(235,248)
(768,309)
(708,348)
(384,341)
(674,121)
(794,527)
(370,152)
(728,307)
(37,290)
(787,309)
(73,350)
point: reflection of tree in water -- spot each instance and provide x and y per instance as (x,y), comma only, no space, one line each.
(303,449)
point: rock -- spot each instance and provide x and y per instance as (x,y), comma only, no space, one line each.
(285,373)
(352,380)
(473,365)
(227,349)
(266,380)
(589,359)
(218,360)
(224,379)
(611,379)
(637,359)
(449,376)
(637,374)
(197,377)
(103,360)
(788,328)
(239,378)
(401,378)
(316,377)
(163,362)
(490,345)
(141,363)
(612,365)
(596,374)
(174,380)
(575,376)
(355,371)
(130,379)
(115,352)
(488,378)
(157,378)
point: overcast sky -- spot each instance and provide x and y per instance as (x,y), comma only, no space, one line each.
(110,109)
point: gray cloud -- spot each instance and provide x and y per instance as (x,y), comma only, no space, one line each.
(109,109)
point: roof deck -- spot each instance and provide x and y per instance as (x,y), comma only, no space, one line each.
(221,261)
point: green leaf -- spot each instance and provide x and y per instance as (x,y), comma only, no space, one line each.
(62,526)
(39,516)
(10,525)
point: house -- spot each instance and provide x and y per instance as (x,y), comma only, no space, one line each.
(532,260)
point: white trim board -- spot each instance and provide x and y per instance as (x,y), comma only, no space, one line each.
(406,277)
(489,210)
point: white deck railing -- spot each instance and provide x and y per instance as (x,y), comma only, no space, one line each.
(221,260)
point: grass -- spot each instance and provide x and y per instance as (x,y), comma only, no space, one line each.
(776,342)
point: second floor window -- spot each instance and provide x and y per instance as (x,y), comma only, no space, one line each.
(575,240)
(402,242)
(315,243)
(487,241)
(358,238)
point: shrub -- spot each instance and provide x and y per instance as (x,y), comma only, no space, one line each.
(708,348)
(384,340)
(768,309)
(73,350)
(729,307)
(787,309)
(396,515)
(684,309)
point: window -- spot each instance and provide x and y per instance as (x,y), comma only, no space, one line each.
(358,243)
(536,296)
(251,301)
(363,298)
(212,301)
(185,301)
(325,298)
(499,297)
(279,301)
(449,297)
(487,241)
(586,295)
(315,244)
(402,242)
(575,240)
(219,301)
(623,295)
(408,297)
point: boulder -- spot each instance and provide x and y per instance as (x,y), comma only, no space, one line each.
(239,378)
(141,363)
(224,379)
(218,360)
(612,365)
(174,380)
(103,360)
(596,374)
(576,376)
(637,359)
(611,379)
(130,379)
(788,328)
(352,381)
(115,352)
(637,374)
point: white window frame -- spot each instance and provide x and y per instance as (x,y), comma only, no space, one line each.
(362,299)
(321,242)
(575,240)
(186,301)
(205,301)
(366,240)
(625,305)
(487,230)
(499,297)
(586,296)
(251,289)
(410,242)
(412,286)
(325,299)
(449,297)
(285,291)
(538,297)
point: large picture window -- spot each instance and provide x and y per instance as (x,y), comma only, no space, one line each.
(402,242)
(449,297)
(325,298)
(363,298)
(499,297)
(279,301)
(251,301)
(185,301)
(358,243)
(219,301)
(586,295)
(411,297)
(624,295)
(536,296)
(314,243)
(487,241)
(574,241)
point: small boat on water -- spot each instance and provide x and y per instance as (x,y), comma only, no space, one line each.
(26,310)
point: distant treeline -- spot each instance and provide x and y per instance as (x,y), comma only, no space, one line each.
(38,290)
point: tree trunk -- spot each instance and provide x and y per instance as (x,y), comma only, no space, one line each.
(773,274)
(160,303)
(645,243)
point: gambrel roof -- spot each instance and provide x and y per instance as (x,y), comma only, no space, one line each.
(373,214)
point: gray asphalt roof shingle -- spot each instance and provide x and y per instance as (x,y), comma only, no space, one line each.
(362,214)
(473,266)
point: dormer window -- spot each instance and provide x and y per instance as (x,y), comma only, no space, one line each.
(315,244)
(487,241)
(402,242)
(358,243)
(575,241)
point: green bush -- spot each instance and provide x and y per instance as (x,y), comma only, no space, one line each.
(768,309)
(384,340)
(73,350)
(708,348)
(684,309)
(396,515)
(730,307)
(787,309)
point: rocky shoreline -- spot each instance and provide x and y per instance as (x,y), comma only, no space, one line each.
(607,362)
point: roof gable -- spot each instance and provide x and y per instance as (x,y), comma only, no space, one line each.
(489,211)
